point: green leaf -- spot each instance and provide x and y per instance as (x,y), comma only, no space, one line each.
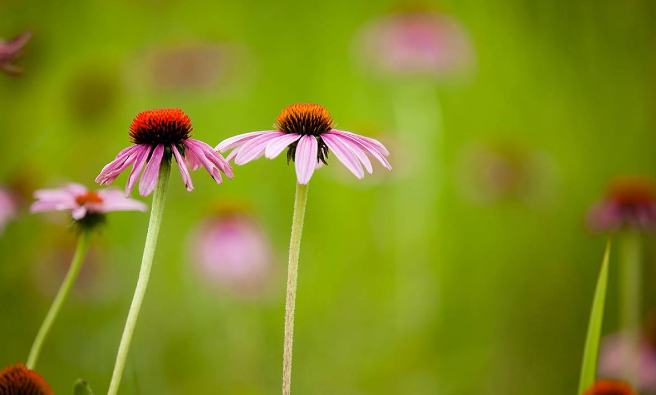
(589,365)
(81,387)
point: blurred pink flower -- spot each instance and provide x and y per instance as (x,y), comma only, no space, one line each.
(307,130)
(411,43)
(231,250)
(157,136)
(630,201)
(10,51)
(612,361)
(8,208)
(80,201)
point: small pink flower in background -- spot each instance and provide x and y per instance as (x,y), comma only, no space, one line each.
(10,51)
(81,202)
(231,250)
(159,135)
(612,361)
(306,130)
(421,43)
(630,201)
(8,208)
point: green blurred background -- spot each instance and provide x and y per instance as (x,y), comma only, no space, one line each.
(413,282)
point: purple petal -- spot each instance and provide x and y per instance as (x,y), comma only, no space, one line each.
(306,158)
(182,165)
(209,166)
(114,200)
(255,147)
(373,142)
(12,47)
(214,157)
(342,152)
(140,161)
(123,160)
(279,143)
(236,140)
(355,148)
(367,147)
(79,212)
(150,175)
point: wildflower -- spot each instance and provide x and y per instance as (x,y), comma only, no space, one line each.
(415,43)
(306,130)
(629,202)
(10,51)
(609,387)
(8,208)
(19,380)
(84,205)
(230,249)
(159,135)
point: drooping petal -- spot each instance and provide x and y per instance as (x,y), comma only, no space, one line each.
(140,161)
(118,165)
(238,139)
(192,160)
(209,166)
(279,143)
(373,142)
(254,148)
(306,158)
(182,165)
(214,157)
(79,212)
(367,147)
(355,148)
(150,175)
(342,152)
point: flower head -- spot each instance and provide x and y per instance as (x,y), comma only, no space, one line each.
(630,201)
(232,251)
(86,207)
(19,380)
(160,135)
(415,43)
(307,131)
(610,387)
(10,51)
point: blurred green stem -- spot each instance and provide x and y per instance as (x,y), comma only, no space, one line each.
(156,213)
(292,276)
(62,295)
(630,289)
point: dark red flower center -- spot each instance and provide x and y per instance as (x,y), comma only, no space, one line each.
(304,119)
(610,387)
(632,191)
(19,380)
(155,127)
(89,197)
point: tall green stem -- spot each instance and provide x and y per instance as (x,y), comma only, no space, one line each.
(156,212)
(62,295)
(292,275)
(630,300)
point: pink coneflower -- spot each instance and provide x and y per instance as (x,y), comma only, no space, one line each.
(19,380)
(616,349)
(82,202)
(412,43)
(10,51)
(231,250)
(8,208)
(159,135)
(610,387)
(630,202)
(307,131)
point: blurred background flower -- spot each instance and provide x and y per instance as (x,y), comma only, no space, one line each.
(10,50)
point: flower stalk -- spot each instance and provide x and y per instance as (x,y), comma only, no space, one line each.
(630,303)
(60,299)
(292,276)
(154,225)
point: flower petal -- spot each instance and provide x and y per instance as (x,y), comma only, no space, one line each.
(79,212)
(140,161)
(238,139)
(306,158)
(150,175)
(373,142)
(279,143)
(342,152)
(255,147)
(182,166)
(367,147)
(209,166)
(214,157)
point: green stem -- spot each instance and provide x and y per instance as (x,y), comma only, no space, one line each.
(630,301)
(292,275)
(62,295)
(157,210)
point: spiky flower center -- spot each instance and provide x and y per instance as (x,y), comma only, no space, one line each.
(166,127)
(305,119)
(19,380)
(89,197)
(610,387)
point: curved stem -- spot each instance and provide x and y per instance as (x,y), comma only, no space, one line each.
(292,275)
(157,210)
(62,295)
(630,301)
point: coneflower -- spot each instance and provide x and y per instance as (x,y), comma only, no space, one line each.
(610,387)
(10,51)
(88,209)
(19,380)
(307,132)
(159,136)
